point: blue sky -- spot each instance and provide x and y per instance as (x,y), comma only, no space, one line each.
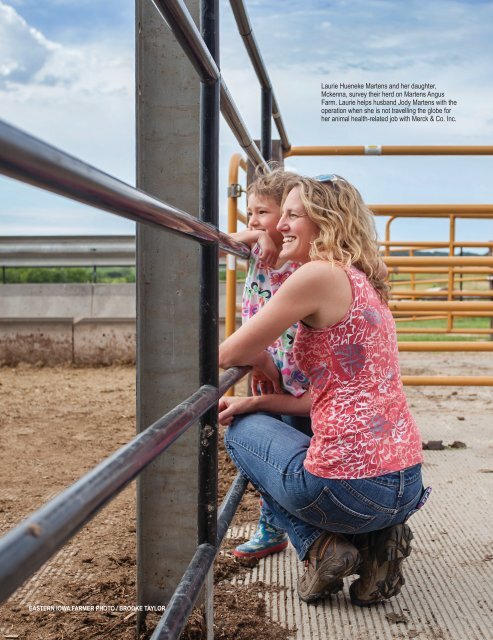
(67,73)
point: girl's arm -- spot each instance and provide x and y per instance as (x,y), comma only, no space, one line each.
(268,249)
(248,236)
(310,290)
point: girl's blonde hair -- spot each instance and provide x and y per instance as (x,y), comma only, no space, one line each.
(273,184)
(347,229)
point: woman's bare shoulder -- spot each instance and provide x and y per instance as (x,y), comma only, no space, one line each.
(318,270)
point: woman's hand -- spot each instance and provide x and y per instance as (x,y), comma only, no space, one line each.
(231,406)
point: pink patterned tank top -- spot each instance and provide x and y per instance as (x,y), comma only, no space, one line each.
(360,419)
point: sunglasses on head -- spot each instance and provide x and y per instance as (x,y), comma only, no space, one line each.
(328,177)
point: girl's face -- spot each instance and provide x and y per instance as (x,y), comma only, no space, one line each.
(297,229)
(263,215)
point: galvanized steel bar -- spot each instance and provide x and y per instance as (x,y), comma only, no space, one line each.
(31,160)
(246,32)
(229,506)
(393,150)
(181,604)
(30,544)
(233,118)
(23,251)
(209,295)
(26,547)
(181,22)
(266,129)
(184,29)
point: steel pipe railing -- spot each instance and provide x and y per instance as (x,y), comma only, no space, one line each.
(181,604)
(440,305)
(431,270)
(448,381)
(438,261)
(188,36)
(418,245)
(184,29)
(246,32)
(456,293)
(433,210)
(31,160)
(232,116)
(209,281)
(445,345)
(30,544)
(393,150)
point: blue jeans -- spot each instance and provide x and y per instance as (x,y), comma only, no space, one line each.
(270,454)
(302,424)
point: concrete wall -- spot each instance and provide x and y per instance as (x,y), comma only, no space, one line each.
(67,301)
(67,323)
(70,323)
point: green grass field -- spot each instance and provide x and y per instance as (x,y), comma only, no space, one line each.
(459,323)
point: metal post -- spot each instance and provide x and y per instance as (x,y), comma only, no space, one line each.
(167,302)
(209,296)
(266,129)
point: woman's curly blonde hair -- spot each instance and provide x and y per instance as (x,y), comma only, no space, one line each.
(347,229)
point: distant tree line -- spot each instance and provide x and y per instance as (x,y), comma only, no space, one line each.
(30,275)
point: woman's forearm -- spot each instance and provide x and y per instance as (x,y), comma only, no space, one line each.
(285,403)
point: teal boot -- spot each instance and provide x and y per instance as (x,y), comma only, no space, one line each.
(267,539)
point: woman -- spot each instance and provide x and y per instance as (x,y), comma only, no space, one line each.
(344,495)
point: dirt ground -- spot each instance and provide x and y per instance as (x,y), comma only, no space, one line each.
(56,424)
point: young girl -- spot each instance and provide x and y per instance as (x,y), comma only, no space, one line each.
(266,272)
(361,471)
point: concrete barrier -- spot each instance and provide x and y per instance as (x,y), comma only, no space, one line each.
(70,323)
(36,341)
(104,341)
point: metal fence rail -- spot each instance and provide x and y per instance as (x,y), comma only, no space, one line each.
(31,160)
(181,22)
(26,547)
(393,150)
(269,102)
(67,251)
(30,544)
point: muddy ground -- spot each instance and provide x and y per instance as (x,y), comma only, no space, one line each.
(56,424)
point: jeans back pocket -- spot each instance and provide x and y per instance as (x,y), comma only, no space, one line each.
(329,513)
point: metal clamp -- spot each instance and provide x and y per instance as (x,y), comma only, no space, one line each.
(235,190)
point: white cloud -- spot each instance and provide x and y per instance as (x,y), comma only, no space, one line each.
(23,50)
(79,99)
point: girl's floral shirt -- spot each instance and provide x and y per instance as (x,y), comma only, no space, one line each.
(261,284)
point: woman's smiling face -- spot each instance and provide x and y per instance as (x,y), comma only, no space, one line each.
(298,230)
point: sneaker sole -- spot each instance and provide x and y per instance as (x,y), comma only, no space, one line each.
(261,553)
(397,548)
(333,583)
